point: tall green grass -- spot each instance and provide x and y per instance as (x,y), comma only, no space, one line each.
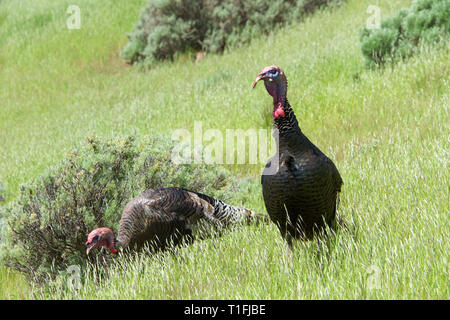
(387,131)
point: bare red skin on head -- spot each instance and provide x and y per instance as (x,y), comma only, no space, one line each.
(277,89)
(105,239)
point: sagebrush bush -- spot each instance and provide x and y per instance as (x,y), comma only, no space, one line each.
(2,193)
(166,27)
(426,22)
(48,223)
(2,199)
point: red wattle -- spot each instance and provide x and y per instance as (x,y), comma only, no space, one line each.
(278,113)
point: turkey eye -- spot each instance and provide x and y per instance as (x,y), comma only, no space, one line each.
(95,238)
(274,72)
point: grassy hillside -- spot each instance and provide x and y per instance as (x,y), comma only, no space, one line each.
(387,132)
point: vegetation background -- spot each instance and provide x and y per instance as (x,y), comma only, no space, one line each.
(386,130)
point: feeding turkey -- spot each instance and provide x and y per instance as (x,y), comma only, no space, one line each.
(167,216)
(302,195)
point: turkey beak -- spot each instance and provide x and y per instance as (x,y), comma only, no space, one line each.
(89,247)
(261,76)
(256,81)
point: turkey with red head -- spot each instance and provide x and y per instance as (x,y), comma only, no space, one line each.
(167,216)
(302,194)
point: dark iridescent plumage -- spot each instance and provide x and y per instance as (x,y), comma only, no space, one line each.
(166,216)
(302,195)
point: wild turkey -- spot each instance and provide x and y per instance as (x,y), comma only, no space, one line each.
(162,217)
(302,194)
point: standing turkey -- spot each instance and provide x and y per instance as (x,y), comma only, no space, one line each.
(162,217)
(302,194)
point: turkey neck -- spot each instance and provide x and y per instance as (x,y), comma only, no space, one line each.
(291,138)
(121,241)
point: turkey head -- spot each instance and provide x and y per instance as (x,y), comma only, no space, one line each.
(276,85)
(101,237)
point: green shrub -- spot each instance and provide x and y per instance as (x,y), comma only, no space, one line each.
(426,22)
(2,199)
(166,27)
(48,223)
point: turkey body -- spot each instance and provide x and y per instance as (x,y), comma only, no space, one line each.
(302,195)
(167,216)
(301,185)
